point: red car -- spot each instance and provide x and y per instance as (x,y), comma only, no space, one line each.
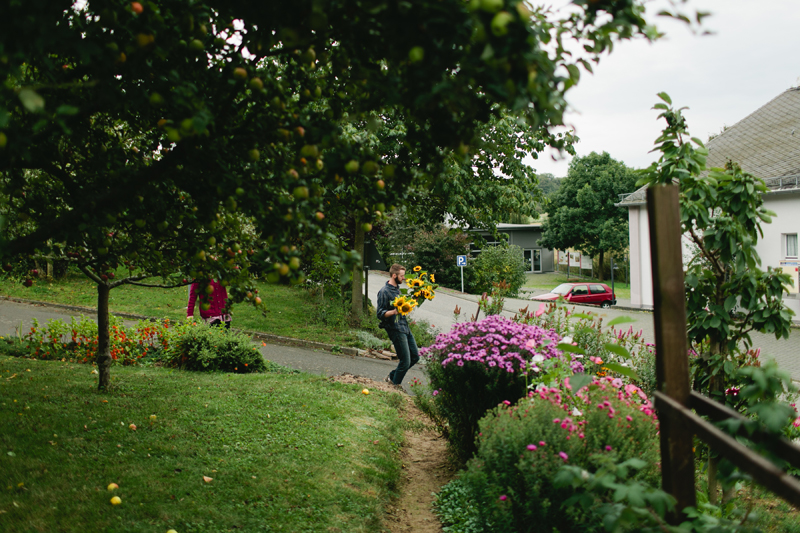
(581,293)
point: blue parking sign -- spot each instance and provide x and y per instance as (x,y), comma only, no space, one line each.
(461,260)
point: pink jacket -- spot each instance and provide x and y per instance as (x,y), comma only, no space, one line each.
(217,299)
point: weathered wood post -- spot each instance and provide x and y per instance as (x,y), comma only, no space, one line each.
(672,362)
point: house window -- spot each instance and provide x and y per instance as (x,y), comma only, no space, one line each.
(790,244)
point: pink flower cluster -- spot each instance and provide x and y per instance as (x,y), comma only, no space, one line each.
(497,342)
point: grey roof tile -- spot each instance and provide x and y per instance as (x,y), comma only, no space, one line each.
(766,144)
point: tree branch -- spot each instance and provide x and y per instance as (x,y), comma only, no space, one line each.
(156,286)
(711,259)
(91,275)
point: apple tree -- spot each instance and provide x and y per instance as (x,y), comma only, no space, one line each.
(158,134)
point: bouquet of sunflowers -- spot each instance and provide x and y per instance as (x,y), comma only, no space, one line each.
(421,287)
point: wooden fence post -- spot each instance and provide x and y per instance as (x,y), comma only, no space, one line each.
(672,362)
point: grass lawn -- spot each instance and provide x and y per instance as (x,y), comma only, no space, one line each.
(285,452)
(293,312)
(551,280)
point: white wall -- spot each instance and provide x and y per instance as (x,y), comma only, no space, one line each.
(641,270)
(770,248)
(787,208)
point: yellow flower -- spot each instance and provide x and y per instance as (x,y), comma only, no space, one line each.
(400,300)
(433,280)
(417,294)
(417,268)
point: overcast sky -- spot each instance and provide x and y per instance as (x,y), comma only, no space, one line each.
(752,57)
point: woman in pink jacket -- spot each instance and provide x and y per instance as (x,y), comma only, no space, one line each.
(213,306)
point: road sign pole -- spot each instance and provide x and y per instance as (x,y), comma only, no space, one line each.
(461,261)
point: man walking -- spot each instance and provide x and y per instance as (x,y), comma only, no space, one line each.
(396,325)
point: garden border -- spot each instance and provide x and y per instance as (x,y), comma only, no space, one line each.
(267,337)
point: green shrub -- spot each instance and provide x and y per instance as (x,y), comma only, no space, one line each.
(424,333)
(497,264)
(522,447)
(437,250)
(370,341)
(197,346)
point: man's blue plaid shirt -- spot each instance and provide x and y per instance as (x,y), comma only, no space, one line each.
(385,298)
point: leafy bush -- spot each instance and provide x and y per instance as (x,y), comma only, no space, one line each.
(323,275)
(424,333)
(522,447)
(621,502)
(478,365)
(497,264)
(437,250)
(197,346)
(370,341)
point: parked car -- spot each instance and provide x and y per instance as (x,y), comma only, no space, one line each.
(581,293)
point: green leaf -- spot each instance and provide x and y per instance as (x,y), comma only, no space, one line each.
(574,73)
(564,347)
(634,463)
(665,97)
(620,320)
(617,349)
(31,100)
(730,302)
(579,381)
(624,370)
(67,110)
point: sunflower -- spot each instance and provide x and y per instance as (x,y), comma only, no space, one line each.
(406,308)
(417,268)
(397,302)
(433,280)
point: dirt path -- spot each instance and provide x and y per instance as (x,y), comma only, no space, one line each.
(425,468)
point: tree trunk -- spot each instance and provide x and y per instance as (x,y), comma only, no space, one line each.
(103,356)
(601,267)
(357,303)
(715,384)
(712,478)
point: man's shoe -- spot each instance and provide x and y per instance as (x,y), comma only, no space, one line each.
(388,379)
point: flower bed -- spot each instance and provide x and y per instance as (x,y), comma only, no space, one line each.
(509,484)
(189,345)
(477,365)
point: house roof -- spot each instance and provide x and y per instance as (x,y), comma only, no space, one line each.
(512,227)
(766,144)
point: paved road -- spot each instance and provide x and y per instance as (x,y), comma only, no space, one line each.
(439,312)
(15,315)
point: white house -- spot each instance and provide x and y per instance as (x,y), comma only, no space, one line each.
(765,144)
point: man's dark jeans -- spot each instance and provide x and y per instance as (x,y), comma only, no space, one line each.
(407,352)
